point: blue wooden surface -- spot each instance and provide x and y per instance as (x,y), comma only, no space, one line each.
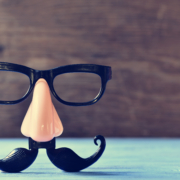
(122,159)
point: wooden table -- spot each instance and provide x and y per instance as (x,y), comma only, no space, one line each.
(128,158)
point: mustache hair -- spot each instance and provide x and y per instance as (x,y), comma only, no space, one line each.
(67,160)
(18,160)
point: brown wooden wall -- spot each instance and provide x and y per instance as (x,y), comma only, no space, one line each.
(139,39)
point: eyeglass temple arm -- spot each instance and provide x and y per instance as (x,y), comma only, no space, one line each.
(109,74)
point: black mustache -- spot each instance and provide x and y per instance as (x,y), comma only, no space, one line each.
(63,158)
(67,160)
(18,160)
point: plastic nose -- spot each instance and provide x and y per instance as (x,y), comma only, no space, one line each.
(41,121)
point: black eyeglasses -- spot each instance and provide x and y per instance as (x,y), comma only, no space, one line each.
(85,81)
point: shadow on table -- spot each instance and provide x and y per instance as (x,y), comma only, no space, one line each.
(96,173)
(80,173)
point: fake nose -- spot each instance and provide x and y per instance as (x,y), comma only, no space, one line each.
(41,121)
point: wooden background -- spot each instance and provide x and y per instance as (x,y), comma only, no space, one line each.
(139,39)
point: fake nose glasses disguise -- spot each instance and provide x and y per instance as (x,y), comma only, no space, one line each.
(42,123)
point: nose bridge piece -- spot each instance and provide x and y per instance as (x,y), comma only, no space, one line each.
(41,121)
(43,74)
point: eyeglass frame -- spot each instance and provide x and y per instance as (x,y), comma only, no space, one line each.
(104,72)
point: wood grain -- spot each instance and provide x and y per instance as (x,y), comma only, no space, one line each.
(139,40)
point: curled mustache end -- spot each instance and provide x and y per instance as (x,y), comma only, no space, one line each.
(18,160)
(67,160)
(102,139)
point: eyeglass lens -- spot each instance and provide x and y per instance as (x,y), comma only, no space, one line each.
(77,87)
(13,85)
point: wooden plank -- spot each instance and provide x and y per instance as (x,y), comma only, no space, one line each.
(140,40)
